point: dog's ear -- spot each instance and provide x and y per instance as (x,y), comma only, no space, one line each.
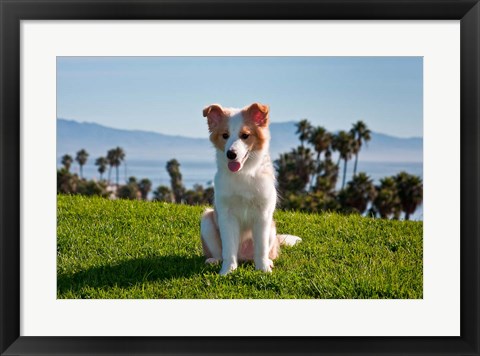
(214,114)
(258,113)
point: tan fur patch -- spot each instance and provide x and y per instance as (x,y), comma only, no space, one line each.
(217,119)
(274,250)
(258,113)
(215,240)
(216,136)
(259,134)
(214,114)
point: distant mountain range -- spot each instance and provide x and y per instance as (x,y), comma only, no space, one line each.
(143,145)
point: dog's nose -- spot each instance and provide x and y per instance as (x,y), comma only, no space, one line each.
(231,154)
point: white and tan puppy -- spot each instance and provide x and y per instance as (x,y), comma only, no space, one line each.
(241,226)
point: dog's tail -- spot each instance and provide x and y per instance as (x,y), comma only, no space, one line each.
(288,240)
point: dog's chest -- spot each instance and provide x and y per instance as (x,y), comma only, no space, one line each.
(244,194)
(248,187)
(246,207)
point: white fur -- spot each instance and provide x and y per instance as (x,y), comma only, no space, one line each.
(244,204)
(244,200)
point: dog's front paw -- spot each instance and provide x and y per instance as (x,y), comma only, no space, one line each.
(227,268)
(264,265)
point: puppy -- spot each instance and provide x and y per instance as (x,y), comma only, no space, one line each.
(241,226)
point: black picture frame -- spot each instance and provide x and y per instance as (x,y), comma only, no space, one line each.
(12,12)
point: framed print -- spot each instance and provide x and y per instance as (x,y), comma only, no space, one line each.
(118,99)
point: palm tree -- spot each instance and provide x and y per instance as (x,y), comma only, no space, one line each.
(294,170)
(359,193)
(410,191)
(320,139)
(67,183)
(120,155)
(344,143)
(387,201)
(173,168)
(361,134)
(145,186)
(304,129)
(163,193)
(110,160)
(101,162)
(304,163)
(328,174)
(129,191)
(67,161)
(115,158)
(81,158)
(284,166)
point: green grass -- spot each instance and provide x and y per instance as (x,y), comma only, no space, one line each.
(133,249)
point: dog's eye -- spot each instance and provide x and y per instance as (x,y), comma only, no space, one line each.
(245,136)
(225,136)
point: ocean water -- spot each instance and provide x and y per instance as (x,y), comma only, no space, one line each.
(202,172)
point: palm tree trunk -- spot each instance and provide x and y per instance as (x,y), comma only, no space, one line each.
(109,174)
(81,171)
(344,173)
(116,167)
(315,173)
(355,166)
(407,215)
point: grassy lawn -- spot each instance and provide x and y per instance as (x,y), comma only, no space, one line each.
(135,249)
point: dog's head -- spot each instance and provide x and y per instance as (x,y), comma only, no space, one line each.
(240,134)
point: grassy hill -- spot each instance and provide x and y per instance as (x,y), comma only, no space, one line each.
(134,249)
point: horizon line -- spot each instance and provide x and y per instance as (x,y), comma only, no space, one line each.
(196,137)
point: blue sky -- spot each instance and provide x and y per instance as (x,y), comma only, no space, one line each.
(167,94)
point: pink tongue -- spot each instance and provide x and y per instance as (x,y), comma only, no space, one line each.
(233,166)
